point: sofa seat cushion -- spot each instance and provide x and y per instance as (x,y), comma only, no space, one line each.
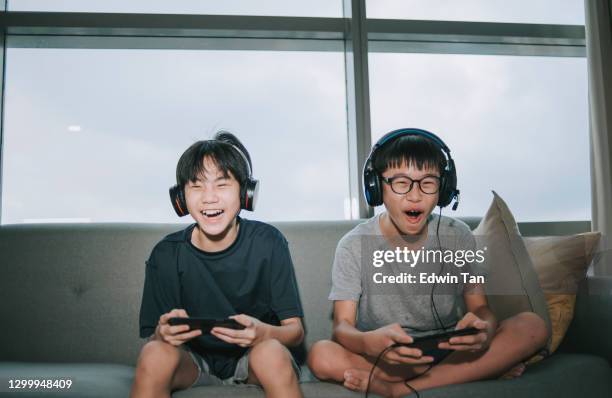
(89,380)
(310,390)
(561,375)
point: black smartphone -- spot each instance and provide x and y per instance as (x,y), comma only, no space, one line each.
(206,324)
(427,343)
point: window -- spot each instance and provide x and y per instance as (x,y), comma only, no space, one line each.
(312,8)
(131,95)
(567,12)
(517,125)
(95,135)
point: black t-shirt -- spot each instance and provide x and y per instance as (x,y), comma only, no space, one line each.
(253,276)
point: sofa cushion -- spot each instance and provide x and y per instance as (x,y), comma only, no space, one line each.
(313,246)
(77,288)
(591,326)
(561,375)
(89,380)
(72,283)
(512,284)
(310,390)
(561,263)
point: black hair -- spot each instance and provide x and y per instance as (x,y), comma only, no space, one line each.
(227,159)
(415,150)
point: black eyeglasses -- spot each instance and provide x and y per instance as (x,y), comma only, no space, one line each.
(402,185)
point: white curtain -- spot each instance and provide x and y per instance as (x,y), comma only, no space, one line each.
(599,55)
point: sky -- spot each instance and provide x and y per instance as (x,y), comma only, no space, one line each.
(95,134)
(516,125)
(314,8)
(520,11)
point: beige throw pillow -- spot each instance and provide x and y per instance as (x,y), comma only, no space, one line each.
(561,263)
(511,281)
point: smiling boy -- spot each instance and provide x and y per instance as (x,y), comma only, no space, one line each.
(411,172)
(221,266)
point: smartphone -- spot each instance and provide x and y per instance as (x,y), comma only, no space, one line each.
(206,324)
(427,343)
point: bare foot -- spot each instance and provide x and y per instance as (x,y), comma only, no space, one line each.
(514,372)
(357,380)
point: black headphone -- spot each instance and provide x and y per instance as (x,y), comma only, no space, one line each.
(248,190)
(372,183)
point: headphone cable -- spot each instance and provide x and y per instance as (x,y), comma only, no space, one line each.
(383,352)
(435,313)
(433,302)
(378,358)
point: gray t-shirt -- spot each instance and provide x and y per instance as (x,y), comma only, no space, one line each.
(354,277)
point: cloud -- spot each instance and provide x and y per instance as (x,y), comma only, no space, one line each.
(518,125)
(517,11)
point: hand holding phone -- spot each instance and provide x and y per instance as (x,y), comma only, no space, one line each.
(174,334)
(206,324)
(430,342)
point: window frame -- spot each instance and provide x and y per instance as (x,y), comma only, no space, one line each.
(358,34)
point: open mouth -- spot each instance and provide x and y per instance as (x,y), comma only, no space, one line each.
(413,215)
(211,214)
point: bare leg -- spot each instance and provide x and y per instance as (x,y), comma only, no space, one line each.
(270,366)
(329,360)
(516,339)
(161,369)
(514,372)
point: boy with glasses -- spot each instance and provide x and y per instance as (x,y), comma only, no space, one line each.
(411,172)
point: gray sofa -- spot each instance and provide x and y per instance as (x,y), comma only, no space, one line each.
(70,297)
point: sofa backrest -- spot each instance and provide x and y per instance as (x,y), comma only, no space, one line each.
(72,292)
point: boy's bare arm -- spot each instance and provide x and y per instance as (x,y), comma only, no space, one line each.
(289,333)
(373,342)
(476,303)
(344,330)
(481,317)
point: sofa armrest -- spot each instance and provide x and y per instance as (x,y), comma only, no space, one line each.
(591,327)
